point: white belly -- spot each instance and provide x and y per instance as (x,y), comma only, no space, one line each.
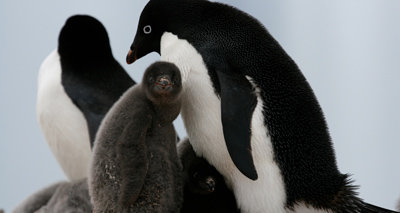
(201,113)
(62,123)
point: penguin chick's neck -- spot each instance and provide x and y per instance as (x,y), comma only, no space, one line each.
(168,106)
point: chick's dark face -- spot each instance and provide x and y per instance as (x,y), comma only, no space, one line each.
(148,34)
(203,178)
(163,79)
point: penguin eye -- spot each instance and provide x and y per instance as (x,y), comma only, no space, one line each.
(175,80)
(151,80)
(147,29)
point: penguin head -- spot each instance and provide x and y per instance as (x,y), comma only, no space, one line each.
(158,17)
(149,31)
(162,82)
(202,177)
(81,37)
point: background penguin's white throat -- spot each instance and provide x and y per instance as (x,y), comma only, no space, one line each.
(201,113)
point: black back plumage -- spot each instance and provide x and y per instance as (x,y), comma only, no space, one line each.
(91,76)
(233,43)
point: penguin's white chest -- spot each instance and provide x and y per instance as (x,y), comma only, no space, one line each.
(62,123)
(201,113)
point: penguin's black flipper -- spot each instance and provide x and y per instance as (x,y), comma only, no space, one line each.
(237,106)
(369,208)
(93,121)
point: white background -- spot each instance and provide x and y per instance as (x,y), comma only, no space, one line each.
(348,50)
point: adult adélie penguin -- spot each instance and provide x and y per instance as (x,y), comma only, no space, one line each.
(78,83)
(247,108)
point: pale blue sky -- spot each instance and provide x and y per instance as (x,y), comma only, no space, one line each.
(348,50)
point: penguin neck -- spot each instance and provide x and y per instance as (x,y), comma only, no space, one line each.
(84,55)
(180,52)
(166,107)
(86,67)
(167,112)
(79,62)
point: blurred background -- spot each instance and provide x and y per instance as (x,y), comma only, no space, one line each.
(348,50)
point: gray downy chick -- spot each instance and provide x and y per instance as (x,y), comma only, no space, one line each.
(135,167)
(67,197)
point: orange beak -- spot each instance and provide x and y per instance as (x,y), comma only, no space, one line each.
(131,57)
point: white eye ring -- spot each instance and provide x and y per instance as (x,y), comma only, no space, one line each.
(147,29)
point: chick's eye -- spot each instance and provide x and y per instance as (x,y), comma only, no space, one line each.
(147,29)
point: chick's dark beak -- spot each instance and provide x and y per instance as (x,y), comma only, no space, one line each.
(131,57)
(210,184)
(164,81)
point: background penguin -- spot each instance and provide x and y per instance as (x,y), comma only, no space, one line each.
(205,189)
(272,129)
(38,199)
(76,88)
(135,167)
(69,197)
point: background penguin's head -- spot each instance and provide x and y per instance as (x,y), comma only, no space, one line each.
(84,38)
